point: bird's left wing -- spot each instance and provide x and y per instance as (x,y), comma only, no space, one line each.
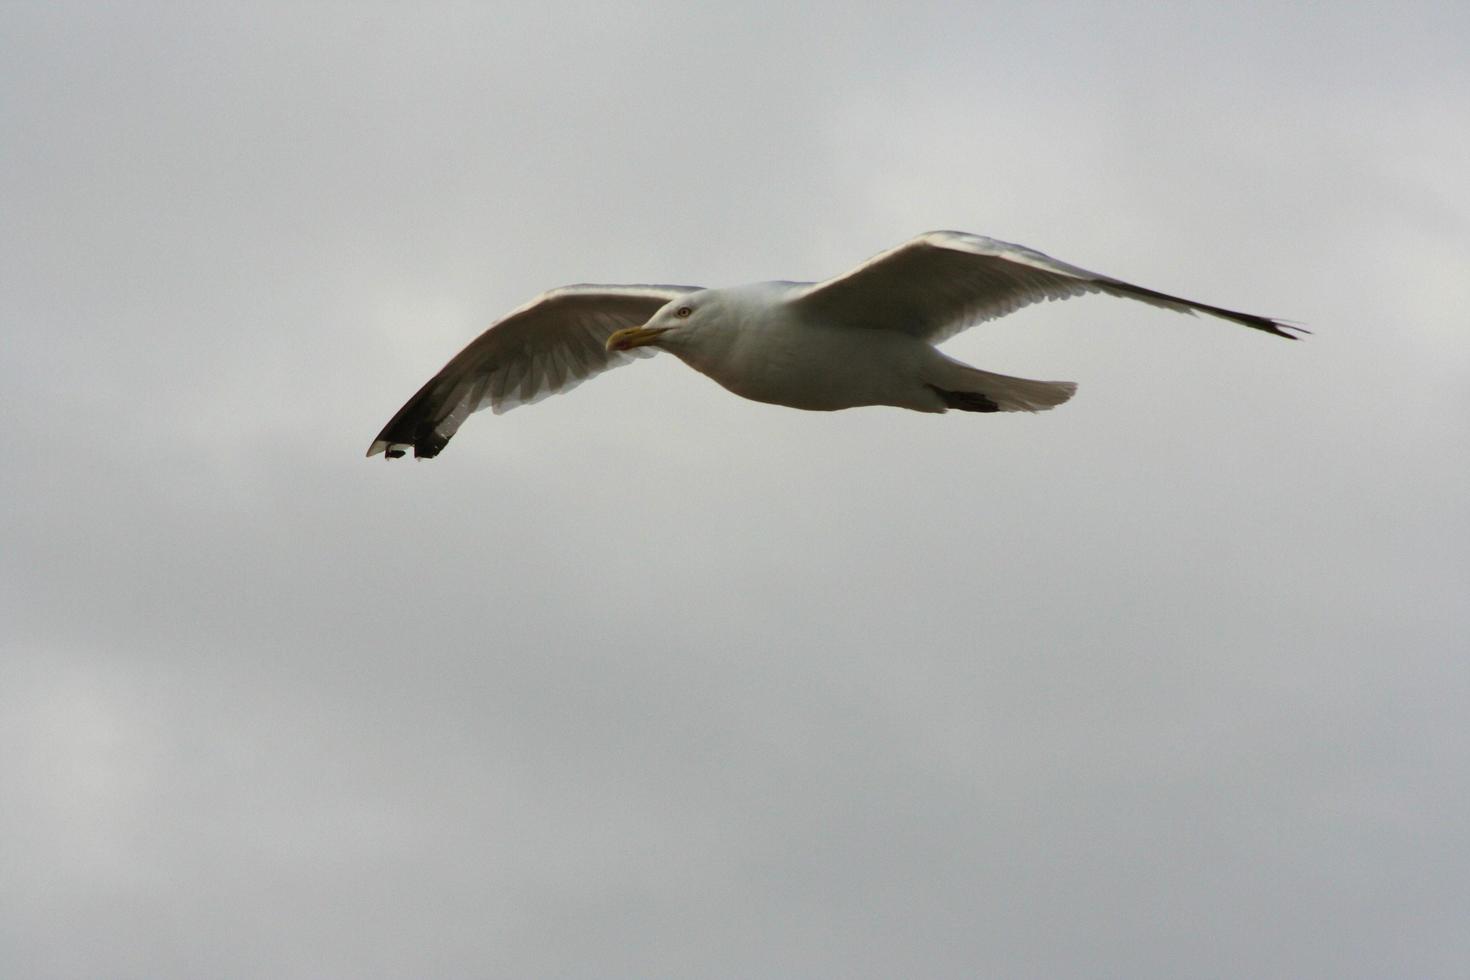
(550,345)
(939,283)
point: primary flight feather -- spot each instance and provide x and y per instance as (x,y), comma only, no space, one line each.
(862,338)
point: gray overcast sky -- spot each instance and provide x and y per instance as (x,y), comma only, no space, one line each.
(652,681)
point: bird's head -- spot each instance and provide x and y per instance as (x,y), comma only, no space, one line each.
(676,316)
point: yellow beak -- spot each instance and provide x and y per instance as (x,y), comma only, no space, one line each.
(630,337)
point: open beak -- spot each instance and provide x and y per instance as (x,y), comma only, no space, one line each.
(630,337)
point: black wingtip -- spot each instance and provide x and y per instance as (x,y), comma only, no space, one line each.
(1266,324)
(394,443)
(428,446)
(1276,328)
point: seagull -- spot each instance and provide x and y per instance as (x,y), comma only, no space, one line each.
(865,337)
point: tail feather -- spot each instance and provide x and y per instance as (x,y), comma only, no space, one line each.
(972,390)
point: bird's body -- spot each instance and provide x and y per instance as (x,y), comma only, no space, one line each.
(864,338)
(800,362)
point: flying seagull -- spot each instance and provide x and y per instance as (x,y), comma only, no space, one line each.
(863,338)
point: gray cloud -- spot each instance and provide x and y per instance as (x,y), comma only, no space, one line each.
(650,681)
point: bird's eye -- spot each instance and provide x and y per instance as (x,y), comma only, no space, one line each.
(682,312)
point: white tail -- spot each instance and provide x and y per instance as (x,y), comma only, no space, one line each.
(973,390)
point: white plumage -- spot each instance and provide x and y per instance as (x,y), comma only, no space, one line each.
(863,338)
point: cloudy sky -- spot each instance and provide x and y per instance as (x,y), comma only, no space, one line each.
(651,681)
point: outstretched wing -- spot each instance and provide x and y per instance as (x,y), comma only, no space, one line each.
(939,283)
(550,345)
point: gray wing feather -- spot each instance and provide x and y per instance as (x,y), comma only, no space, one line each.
(942,282)
(550,345)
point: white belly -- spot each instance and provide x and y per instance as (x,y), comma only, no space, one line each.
(821,368)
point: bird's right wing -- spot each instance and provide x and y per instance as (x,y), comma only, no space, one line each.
(550,345)
(939,283)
